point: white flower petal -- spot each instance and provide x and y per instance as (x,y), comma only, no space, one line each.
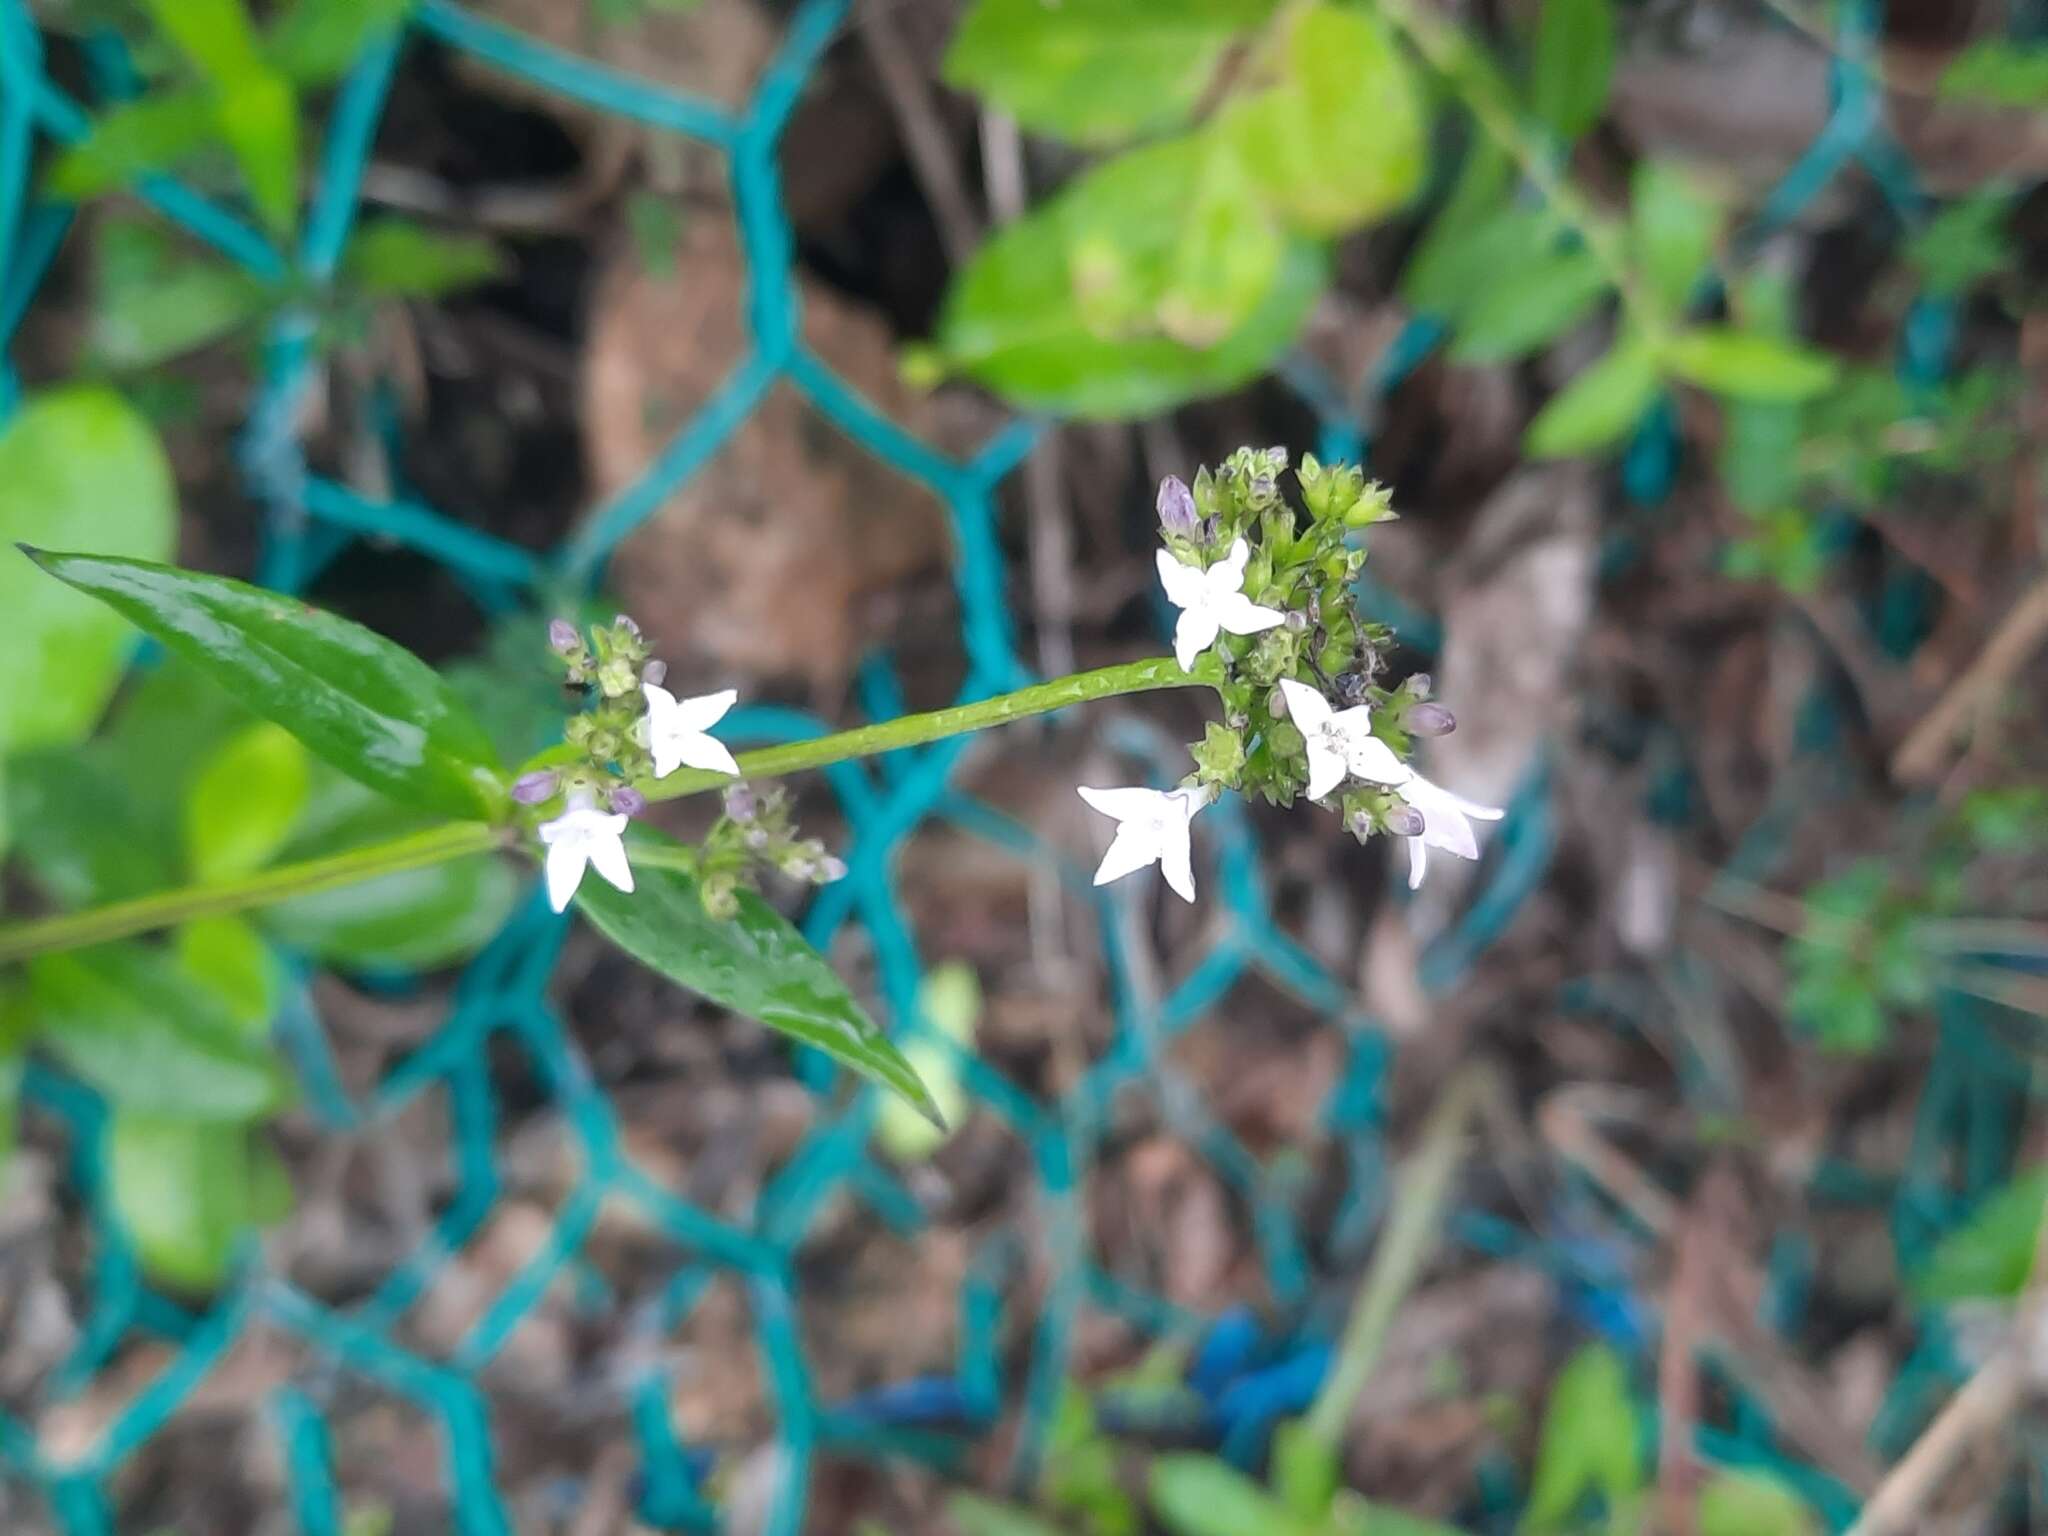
(700,751)
(1183,583)
(1418,861)
(1373,760)
(608,858)
(1227,574)
(1326,767)
(1194,634)
(1123,804)
(1241,616)
(1131,850)
(1176,860)
(564,869)
(1308,709)
(706,710)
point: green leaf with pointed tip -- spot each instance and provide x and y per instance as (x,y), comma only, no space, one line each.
(1201,1496)
(1673,225)
(186,1192)
(1991,1254)
(1521,308)
(414,920)
(244,801)
(259,118)
(755,963)
(151,1037)
(1750,1504)
(1749,365)
(78,467)
(1599,407)
(402,259)
(1574,64)
(317,40)
(1096,71)
(1069,307)
(1337,141)
(1589,1443)
(130,140)
(369,707)
(217,36)
(79,833)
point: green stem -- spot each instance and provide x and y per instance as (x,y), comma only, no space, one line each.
(1453,56)
(165,909)
(1403,1248)
(914,730)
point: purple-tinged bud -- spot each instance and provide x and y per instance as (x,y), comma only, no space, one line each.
(1430,720)
(1418,685)
(627,801)
(1404,821)
(1276,704)
(756,838)
(625,622)
(563,636)
(655,672)
(829,868)
(1360,823)
(1177,507)
(1276,458)
(537,787)
(741,804)
(1297,622)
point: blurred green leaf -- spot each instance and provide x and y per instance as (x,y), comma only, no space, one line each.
(1750,366)
(78,468)
(1967,242)
(317,40)
(1759,460)
(259,118)
(1573,65)
(2000,72)
(1673,226)
(1589,1443)
(1524,307)
(1455,266)
(142,318)
(1061,310)
(79,833)
(371,708)
(656,225)
(1338,141)
(399,258)
(1201,1496)
(1305,1471)
(1750,1504)
(228,955)
(975,1516)
(1228,256)
(1441,271)
(756,964)
(414,920)
(1599,407)
(151,1037)
(216,36)
(1096,71)
(243,803)
(127,141)
(950,1001)
(1989,1256)
(186,1192)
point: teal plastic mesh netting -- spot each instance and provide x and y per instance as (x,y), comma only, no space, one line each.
(1249,1375)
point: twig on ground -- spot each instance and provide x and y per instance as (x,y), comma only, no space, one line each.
(1970,696)
(924,134)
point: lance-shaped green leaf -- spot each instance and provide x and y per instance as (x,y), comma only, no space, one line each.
(755,963)
(1749,365)
(369,707)
(1574,64)
(150,1037)
(187,1191)
(1598,407)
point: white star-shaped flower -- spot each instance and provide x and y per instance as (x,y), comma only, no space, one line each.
(583,836)
(1211,602)
(676,731)
(1339,742)
(1151,828)
(1446,823)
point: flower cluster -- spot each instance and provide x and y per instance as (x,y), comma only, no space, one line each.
(634,728)
(1266,612)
